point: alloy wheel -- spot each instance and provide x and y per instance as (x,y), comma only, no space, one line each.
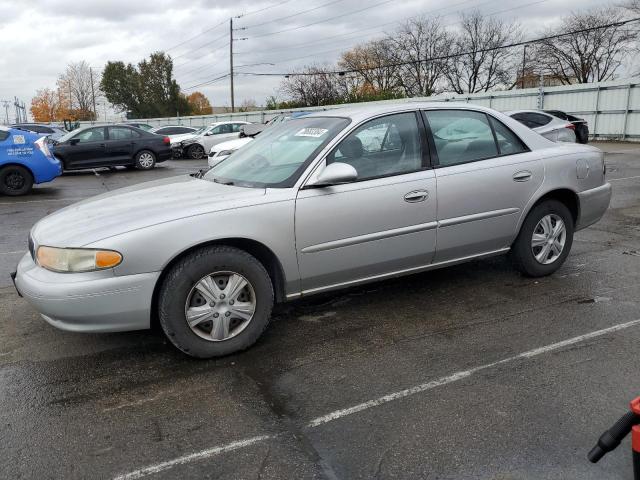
(145,160)
(220,306)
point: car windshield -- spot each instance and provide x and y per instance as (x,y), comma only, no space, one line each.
(278,155)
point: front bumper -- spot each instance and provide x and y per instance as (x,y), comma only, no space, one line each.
(593,204)
(87,302)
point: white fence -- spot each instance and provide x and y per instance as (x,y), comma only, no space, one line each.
(612,109)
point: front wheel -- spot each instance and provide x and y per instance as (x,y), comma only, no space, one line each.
(15,180)
(215,301)
(545,239)
(145,160)
(195,152)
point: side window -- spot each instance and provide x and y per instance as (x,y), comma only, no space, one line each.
(45,130)
(235,128)
(538,119)
(508,142)
(91,135)
(120,133)
(384,146)
(183,130)
(3,135)
(461,136)
(524,119)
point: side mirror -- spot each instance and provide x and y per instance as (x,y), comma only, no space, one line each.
(74,141)
(335,174)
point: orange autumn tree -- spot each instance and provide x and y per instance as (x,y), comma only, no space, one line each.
(44,106)
(199,104)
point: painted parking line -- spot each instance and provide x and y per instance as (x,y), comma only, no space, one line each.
(391,397)
(70,199)
(623,178)
(159,467)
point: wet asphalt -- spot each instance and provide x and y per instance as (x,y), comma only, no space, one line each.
(416,358)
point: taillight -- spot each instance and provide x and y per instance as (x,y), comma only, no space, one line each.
(571,126)
(166,140)
(41,144)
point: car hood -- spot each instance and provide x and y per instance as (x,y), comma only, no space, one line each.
(139,206)
(231,144)
(180,137)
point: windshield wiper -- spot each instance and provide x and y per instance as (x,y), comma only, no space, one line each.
(222,182)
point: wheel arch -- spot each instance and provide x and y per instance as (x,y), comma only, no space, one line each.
(260,251)
(16,164)
(565,195)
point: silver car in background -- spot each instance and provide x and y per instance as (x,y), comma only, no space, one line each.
(550,127)
(327,201)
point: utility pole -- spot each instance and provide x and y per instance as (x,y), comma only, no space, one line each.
(233,107)
(93,94)
(524,60)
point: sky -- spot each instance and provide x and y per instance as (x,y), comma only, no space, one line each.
(38,38)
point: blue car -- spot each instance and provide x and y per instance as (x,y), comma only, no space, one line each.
(25,159)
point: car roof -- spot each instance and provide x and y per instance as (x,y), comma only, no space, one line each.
(358,113)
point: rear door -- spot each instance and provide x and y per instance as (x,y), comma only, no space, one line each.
(485,175)
(119,145)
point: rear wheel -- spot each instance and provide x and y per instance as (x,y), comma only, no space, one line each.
(15,180)
(545,239)
(145,160)
(215,301)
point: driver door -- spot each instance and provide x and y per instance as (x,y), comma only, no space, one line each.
(384,222)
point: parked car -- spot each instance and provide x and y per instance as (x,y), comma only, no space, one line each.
(223,150)
(172,130)
(582,127)
(305,208)
(196,144)
(48,131)
(25,159)
(553,128)
(111,146)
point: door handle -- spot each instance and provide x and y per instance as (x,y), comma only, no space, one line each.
(416,196)
(522,176)
(102,145)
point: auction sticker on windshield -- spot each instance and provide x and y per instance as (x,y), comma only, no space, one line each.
(311,132)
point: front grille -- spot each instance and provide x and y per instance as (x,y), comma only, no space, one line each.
(32,248)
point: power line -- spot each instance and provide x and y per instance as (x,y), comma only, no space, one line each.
(261,9)
(352,32)
(292,15)
(445,57)
(204,56)
(209,82)
(201,46)
(322,21)
(315,54)
(197,36)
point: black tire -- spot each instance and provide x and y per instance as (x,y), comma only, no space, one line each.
(145,160)
(179,282)
(522,251)
(195,152)
(15,180)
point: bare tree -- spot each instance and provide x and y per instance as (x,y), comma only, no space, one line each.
(373,62)
(311,86)
(416,41)
(79,86)
(478,63)
(586,56)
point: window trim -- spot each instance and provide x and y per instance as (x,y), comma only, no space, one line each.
(425,160)
(432,144)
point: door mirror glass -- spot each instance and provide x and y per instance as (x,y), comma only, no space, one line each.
(74,141)
(335,174)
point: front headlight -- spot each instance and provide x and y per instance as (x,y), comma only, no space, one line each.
(76,259)
(225,153)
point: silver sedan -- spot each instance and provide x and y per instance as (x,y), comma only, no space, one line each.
(319,203)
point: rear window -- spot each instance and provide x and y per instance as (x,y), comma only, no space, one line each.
(531,119)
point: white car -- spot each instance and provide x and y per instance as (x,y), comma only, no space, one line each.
(550,127)
(222,150)
(196,144)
